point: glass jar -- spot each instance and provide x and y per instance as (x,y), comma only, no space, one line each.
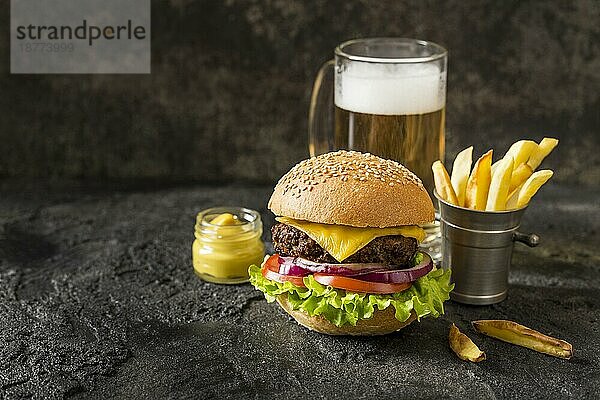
(228,241)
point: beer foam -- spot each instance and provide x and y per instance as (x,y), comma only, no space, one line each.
(390,89)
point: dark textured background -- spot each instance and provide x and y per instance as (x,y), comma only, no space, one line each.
(228,95)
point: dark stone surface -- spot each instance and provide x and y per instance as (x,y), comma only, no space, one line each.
(98,300)
(230,84)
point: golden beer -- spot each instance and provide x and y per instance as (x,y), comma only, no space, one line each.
(389,97)
(415,140)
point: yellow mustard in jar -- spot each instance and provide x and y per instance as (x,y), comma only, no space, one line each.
(228,241)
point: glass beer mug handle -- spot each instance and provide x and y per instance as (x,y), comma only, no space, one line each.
(320,114)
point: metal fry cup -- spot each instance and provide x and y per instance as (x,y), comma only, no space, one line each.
(478,246)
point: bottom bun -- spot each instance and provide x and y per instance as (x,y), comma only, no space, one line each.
(381,323)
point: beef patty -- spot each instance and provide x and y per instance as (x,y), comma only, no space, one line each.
(391,250)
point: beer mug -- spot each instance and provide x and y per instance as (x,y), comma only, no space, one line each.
(389,98)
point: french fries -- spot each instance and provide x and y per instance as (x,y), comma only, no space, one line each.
(519,175)
(544,148)
(498,192)
(495,165)
(506,184)
(524,170)
(511,332)
(532,185)
(443,186)
(513,197)
(464,347)
(478,184)
(521,151)
(460,173)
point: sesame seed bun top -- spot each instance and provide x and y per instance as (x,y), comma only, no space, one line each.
(352,188)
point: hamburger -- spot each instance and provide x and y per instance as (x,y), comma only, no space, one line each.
(346,241)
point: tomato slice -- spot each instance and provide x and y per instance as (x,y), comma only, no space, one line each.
(270,270)
(357,285)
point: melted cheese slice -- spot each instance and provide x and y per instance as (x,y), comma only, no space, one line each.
(342,241)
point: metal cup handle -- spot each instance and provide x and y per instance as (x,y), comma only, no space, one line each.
(530,240)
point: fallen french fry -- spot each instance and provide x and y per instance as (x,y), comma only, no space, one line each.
(478,183)
(443,186)
(464,347)
(499,184)
(511,332)
(460,173)
(521,150)
(543,149)
(532,185)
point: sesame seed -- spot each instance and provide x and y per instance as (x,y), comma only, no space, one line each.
(344,165)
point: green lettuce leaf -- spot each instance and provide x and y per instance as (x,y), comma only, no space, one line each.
(426,297)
